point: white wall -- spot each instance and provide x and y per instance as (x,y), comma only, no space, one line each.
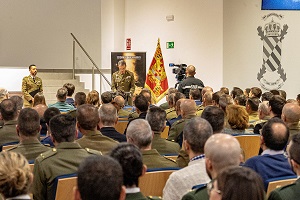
(243,48)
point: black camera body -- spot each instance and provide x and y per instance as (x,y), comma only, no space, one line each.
(179,71)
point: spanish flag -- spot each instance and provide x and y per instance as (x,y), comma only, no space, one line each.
(156,79)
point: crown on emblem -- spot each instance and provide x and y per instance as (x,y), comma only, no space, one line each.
(272,29)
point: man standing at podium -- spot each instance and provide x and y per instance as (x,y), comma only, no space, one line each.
(30,86)
(123,81)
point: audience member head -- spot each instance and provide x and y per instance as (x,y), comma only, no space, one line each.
(298,99)
(195,94)
(237,117)
(99,177)
(156,118)
(275,134)
(224,90)
(70,88)
(93,98)
(207,98)
(221,150)
(170,91)
(79,99)
(206,89)
(188,107)
(39,98)
(177,96)
(293,150)
(282,93)
(28,123)
(8,110)
(106,97)
(3,94)
(177,106)
(291,113)
(266,96)
(87,117)
(15,175)
(224,101)
(247,92)
(276,103)
(130,158)
(49,113)
(240,100)
(18,101)
(252,104)
(108,115)
(216,98)
(236,183)
(139,133)
(215,116)
(171,100)
(292,101)
(141,103)
(263,109)
(119,102)
(236,91)
(255,92)
(62,128)
(195,133)
(146,93)
(61,94)
(275,92)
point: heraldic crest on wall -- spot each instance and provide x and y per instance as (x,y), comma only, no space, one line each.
(271,74)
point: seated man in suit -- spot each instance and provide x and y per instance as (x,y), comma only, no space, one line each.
(9,114)
(108,120)
(63,159)
(139,133)
(272,163)
(156,118)
(130,158)
(99,177)
(28,128)
(291,191)
(87,121)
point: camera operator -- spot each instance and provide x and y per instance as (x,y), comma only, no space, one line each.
(190,81)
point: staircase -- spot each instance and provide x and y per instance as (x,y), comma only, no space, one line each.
(53,81)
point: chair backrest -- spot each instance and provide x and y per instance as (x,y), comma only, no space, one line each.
(64,186)
(250,143)
(165,133)
(279,182)
(121,126)
(31,165)
(153,182)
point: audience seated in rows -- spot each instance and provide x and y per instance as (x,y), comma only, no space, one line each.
(99,177)
(156,118)
(87,121)
(61,104)
(139,133)
(108,120)
(131,161)
(28,128)
(63,159)
(272,163)
(195,134)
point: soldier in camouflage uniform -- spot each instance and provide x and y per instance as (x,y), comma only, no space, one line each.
(63,159)
(30,86)
(123,80)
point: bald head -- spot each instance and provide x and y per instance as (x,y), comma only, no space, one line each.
(120,101)
(291,113)
(191,70)
(222,150)
(188,107)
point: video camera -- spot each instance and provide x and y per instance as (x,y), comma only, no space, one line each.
(179,71)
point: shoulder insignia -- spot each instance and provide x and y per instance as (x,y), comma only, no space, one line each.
(154,197)
(178,122)
(1,126)
(169,159)
(92,151)
(11,148)
(47,145)
(47,154)
(200,108)
(199,187)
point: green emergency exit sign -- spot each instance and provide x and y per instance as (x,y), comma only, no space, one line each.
(170,45)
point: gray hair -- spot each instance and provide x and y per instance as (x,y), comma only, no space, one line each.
(139,131)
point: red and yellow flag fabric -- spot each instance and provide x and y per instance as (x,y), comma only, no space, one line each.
(156,79)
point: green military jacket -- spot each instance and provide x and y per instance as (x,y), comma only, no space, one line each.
(182,159)
(197,194)
(8,132)
(164,106)
(29,85)
(288,192)
(30,148)
(123,113)
(152,159)
(253,118)
(199,111)
(133,115)
(177,128)
(63,159)
(171,113)
(95,140)
(294,129)
(140,196)
(164,146)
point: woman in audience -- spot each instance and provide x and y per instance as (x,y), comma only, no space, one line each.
(236,183)
(93,98)
(237,119)
(15,176)
(39,104)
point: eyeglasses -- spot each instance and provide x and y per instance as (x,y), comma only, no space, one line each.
(210,187)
